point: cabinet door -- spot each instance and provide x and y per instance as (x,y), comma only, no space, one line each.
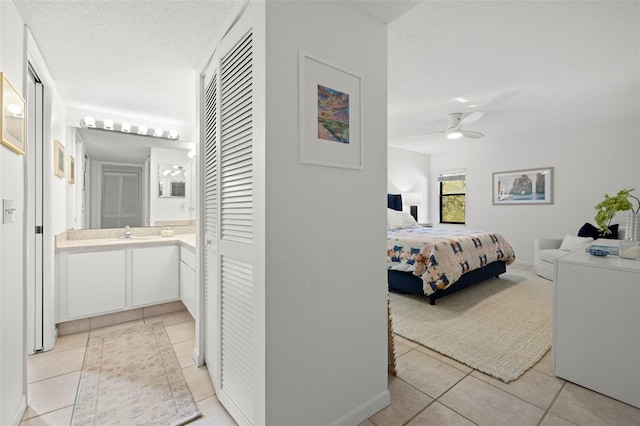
(188,287)
(156,276)
(95,283)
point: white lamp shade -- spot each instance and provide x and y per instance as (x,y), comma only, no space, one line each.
(413,198)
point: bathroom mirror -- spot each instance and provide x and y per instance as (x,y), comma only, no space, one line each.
(172,180)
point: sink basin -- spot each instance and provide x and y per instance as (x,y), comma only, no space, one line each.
(134,238)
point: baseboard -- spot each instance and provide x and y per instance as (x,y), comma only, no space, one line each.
(21,409)
(365,410)
(523,263)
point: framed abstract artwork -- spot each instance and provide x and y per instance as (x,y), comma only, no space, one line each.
(13,117)
(330,114)
(532,186)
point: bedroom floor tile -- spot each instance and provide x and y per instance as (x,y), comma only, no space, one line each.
(406,402)
(213,413)
(50,364)
(199,382)
(452,362)
(485,404)
(52,394)
(585,407)
(553,420)
(54,418)
(533,386)
(437,415)
(171,318)
(429,375)
(184,352)
(71,341)
(181,332)
(545,365)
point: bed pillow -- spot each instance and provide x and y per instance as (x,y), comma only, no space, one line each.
(571,242)
(399,220)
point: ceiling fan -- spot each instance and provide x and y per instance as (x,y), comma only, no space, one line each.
(454,126)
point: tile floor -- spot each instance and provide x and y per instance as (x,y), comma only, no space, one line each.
(429,389)
(54,376)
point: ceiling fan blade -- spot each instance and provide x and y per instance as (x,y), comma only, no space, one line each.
(426,134)
(472,117)
(472,135)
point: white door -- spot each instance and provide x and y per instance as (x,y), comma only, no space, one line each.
(35,290)
(120,199)
(228,210)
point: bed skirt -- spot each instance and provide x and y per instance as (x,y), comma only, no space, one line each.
(406,282)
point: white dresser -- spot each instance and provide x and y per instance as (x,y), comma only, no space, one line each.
(596,323)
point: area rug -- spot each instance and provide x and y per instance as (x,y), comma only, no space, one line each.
(501,327)
(131,376)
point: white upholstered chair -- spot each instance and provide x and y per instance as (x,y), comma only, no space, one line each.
(547,250)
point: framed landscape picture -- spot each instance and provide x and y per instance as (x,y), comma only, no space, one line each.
(532,186)
(13,117)
(330,114)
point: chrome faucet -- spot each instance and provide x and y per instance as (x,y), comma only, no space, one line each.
(127,232)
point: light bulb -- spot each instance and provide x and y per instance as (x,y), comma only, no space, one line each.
(158,132)
(107,124)
(125,127)
(173,134)
(191,153)
(454,135)
(142,129)
(89,121)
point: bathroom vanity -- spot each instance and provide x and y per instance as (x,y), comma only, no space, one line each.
(106,275)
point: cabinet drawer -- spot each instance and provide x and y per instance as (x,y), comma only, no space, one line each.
(188,257)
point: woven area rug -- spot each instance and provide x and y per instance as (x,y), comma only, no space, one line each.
(501,327)
(131,376)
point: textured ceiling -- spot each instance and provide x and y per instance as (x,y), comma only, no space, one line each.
(525,64)
(528,65)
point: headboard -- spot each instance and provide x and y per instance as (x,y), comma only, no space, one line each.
(394,201)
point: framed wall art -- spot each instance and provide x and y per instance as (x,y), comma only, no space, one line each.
(13,118)
(533,186)
(58,159)
(72,170)
(330,114)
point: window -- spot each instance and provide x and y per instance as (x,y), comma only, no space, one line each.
(453,190)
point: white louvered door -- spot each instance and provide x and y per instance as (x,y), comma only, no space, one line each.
(228,176)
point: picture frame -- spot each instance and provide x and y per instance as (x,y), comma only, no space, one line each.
(72,170)
(330,114)
(58,159)
(13,117)
(530,186)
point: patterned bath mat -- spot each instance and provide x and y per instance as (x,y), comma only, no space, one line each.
(501,327)
(131,376)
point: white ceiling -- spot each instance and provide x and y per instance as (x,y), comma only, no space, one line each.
(525,64)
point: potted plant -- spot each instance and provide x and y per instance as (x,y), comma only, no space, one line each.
(608,208)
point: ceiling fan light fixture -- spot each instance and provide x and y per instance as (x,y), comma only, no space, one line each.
(454,134)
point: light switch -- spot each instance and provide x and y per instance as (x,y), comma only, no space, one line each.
(8,209)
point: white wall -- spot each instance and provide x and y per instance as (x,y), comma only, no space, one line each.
(326,342)
(587,164)
(12,169)
(175,208)
(408,171)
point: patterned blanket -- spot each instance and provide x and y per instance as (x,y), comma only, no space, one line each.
(441,256)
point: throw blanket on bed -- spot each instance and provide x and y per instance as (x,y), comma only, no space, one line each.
(441,256)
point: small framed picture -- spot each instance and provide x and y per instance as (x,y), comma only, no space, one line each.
(58,159)
(13,117)
(72,170)
(532,186)
(330,115)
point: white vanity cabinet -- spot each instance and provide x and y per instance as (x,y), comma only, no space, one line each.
(155,275)
(95,282)
(188,279)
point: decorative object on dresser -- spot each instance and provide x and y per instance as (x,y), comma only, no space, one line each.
(610,206)
(500,327)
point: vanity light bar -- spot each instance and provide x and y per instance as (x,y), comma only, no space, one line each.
(125,127)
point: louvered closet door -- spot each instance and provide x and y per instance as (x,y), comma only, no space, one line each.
(229,226)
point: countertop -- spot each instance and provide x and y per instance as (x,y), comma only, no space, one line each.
(186,240)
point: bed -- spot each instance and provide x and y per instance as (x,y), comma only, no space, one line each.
(436,262)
